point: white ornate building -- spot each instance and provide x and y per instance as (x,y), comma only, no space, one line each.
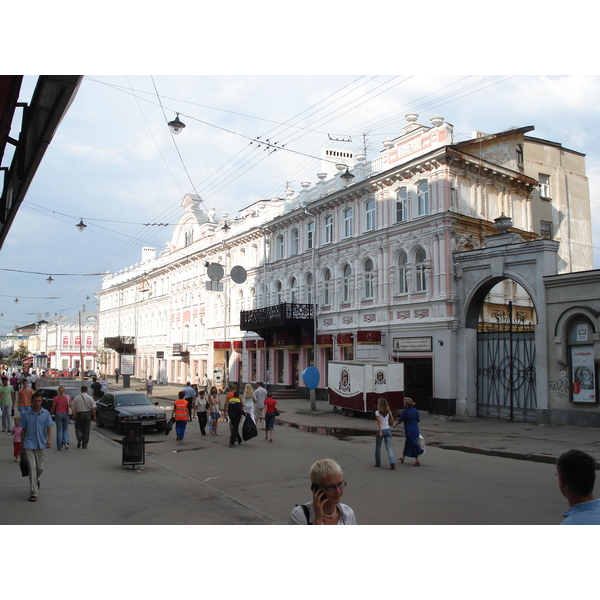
(360,265)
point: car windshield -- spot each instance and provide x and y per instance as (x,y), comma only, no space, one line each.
(133,400)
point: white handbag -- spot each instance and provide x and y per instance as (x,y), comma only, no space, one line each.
(422,442)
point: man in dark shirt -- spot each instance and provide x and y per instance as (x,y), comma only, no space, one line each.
(96,388)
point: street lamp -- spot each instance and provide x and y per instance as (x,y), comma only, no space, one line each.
(176,126)
(81,225)
(50,280)
(347,177)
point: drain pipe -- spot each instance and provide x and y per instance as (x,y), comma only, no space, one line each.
(313,393)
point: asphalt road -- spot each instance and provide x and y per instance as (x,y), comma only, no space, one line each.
(202,481)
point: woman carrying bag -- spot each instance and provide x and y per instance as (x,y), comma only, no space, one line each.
(410,418)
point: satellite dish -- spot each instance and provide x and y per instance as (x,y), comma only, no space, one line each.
(47,314)
(215,271)
(238,274)
(39,316)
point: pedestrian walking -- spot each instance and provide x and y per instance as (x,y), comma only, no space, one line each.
(189,393)
(233,407)
(260,393)
(249,401)
(7,393)
(24,397)
(37,436)
(96,388)
(327,486)
(17,432)
(576,472)
(215,410)
(181,415)
(383,414)
(117,375)
(84,411)
(62,409)
(270,408)
(201,409)
(149,386)
(410,418)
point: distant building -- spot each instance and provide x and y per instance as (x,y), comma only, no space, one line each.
(433,254)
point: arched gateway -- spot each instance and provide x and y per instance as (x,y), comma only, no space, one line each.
(500,368)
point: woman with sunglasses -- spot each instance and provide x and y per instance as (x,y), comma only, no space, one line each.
(327,486)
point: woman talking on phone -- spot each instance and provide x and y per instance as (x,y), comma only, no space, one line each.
(327,486)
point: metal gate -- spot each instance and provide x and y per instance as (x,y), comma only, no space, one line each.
(506,378)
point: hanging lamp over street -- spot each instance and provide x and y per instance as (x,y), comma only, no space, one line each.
(176,126)
(81,225)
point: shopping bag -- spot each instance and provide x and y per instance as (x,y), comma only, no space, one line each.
(248,429)
(169,425)
(422,443)
(24,465)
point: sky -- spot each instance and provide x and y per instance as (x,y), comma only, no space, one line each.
(114,163)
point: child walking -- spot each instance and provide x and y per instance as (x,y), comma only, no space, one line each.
(16,433)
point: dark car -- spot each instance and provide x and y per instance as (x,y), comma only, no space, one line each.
(89,374)
(117,409)
(50,391)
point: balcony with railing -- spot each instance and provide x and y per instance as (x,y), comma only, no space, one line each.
(290,317)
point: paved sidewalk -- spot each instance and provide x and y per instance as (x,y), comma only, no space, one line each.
(526,441)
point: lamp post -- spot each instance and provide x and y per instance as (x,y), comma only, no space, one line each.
(313,393)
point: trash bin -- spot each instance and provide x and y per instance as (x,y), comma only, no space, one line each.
(133,445)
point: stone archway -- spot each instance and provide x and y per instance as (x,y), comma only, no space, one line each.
(503,256)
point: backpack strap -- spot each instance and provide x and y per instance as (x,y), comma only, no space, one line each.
(306,513)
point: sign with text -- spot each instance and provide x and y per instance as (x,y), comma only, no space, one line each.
(412,344)
(127,364)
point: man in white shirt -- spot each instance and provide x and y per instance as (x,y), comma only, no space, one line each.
(261,394)
(84,410)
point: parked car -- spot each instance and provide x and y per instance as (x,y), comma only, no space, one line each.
(50,391)
(87,374)
(118,409)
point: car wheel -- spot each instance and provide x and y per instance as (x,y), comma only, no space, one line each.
(99,423)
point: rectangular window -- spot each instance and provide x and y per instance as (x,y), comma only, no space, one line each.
(546,229)
(370,215)
(348,222)
(294,242)
(402,205)
(279,247)
(544,186)
(310,235)
(328,229)
(423,198)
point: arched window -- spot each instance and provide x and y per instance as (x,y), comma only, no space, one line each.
(402,205)
(293,290)
(369,288)
(309,289)
(423,198)
(346,283)
(327,288)
(402,274)
(420,269)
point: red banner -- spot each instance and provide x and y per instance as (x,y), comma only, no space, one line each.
(368,337)
(344,340)
(325,340)
(222,345)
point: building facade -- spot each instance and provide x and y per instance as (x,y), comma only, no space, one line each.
(370,263)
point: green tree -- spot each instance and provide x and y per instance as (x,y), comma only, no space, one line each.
(19,353)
